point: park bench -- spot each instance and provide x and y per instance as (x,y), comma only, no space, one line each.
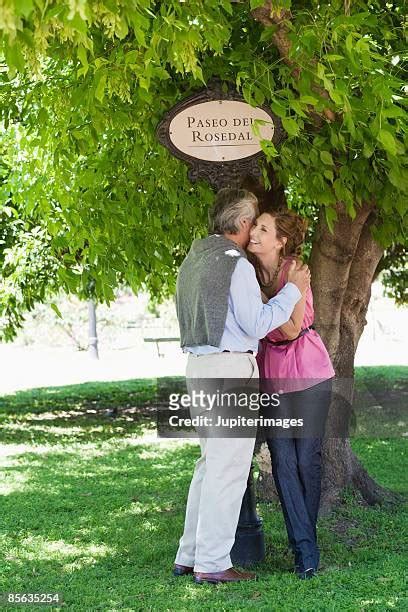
(159,340)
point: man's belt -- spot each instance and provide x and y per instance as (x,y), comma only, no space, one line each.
(285,342)
(227,351)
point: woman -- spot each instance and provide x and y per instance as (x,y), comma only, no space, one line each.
(294,362)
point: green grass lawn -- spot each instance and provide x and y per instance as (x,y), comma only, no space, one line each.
(93,508)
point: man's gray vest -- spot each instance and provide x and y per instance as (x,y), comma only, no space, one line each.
(203,286)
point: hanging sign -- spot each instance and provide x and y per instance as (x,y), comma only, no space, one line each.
(221,130)
(218,134)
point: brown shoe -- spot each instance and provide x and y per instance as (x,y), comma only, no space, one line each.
(182,570)
(229,575)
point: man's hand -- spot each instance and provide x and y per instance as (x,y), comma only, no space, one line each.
(299,275)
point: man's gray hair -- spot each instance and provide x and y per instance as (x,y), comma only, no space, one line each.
(230,206)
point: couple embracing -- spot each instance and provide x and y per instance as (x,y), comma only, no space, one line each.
(247,321)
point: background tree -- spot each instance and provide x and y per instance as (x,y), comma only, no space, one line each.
(85,84)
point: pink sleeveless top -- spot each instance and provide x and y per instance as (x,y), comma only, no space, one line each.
(301,364)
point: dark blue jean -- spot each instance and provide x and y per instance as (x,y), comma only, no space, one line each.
(296,468)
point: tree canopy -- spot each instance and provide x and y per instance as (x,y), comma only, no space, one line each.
(90,199)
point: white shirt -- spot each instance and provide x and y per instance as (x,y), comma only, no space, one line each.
(248,318)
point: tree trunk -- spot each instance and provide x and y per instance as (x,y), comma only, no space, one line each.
(92,332)
(273,198)
(343,265)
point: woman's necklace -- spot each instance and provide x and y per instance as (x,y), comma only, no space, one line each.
(274,277)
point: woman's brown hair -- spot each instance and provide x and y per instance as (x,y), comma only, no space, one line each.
(289,225)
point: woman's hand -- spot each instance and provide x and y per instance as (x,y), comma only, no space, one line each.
(299,275)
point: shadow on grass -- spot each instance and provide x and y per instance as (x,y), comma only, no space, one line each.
(100,523)
(100,395)
(66,428)
(85,412)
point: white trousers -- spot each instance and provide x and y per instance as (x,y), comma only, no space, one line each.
(220,474)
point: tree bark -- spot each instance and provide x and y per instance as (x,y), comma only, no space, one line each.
(331,261)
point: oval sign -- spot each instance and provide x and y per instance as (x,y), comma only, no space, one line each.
(221,130)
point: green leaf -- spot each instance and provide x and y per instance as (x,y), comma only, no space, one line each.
(121,29)
(14,56)
(256,4)
(198,73)
(334,139)
(351,211)
(329,175)
(399,178)
(348,121)
(309,100)
(297,107)
(333,58)
(368,148)
(321,71)
(349,43)
(269,149)
(343,194)
(226,5)
(82,56)
(259,96)
(56,310)
(336,97)
(24,7)
(100,87)
(326,158)
(279,109)
(331,217)
(388,141)
(140,36)
(394,111)
(79,24)
(268,32)
(52,12)
(132,57)
(290,126)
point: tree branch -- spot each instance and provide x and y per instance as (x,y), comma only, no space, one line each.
(268,16)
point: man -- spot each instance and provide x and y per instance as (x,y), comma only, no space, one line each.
(221,317)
